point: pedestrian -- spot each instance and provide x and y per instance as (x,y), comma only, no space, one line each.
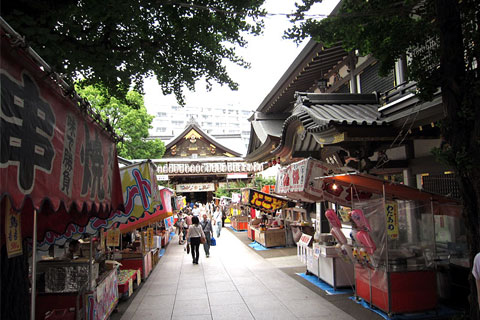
(208,231)
(217,220)
(196,210)
(194,235)
(476,275)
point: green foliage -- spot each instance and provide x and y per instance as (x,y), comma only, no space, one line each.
(119,42)
(233,187)
(259,182)
(129,119)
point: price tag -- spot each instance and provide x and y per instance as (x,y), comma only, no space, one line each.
(130,287)
(305,240)
(391,216)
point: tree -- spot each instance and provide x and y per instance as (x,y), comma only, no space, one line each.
(441,40)
(119,42)
(129,119)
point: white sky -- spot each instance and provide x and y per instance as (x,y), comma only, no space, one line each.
(269,55)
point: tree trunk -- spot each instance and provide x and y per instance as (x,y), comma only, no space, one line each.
(460,128)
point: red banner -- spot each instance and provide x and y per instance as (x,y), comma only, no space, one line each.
(53,157)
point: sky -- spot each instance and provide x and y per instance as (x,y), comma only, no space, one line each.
(269,55)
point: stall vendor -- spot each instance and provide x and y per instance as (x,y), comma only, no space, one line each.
(73,248)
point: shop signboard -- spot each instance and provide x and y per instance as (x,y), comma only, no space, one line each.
(195,187)
(210,167)
(113,237)
(298,180)
(262,201)
(52,148)
(391,216)
(13,233)
(304,240)
(150,242)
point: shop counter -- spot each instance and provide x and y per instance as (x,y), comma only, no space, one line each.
(273,237)
(100,302)
(126,281)
(397,291)
(137,260)
(239,223)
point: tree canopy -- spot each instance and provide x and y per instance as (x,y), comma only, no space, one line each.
(439,39)
(129,119)
(119,42)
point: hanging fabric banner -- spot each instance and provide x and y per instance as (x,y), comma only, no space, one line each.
(13,232)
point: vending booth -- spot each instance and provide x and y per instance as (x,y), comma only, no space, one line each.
(58,171)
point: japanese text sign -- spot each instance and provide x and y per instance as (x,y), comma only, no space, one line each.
(13,232)
(304,240)
(113,237)
(391,216)
(150,238)
(262,201)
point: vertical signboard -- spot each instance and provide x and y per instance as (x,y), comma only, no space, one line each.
(13,233)
(391,216)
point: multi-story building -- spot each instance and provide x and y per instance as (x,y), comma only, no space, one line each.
(227,124)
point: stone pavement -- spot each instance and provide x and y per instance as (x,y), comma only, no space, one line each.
(234,283)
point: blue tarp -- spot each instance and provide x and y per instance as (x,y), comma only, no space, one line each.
(257,246)
(323,285)
(441,312)
(161,252)
(237,230)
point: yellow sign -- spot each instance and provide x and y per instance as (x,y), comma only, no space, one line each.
(13,232)
(391,216)
(102,240)
(150,238)
(113,237)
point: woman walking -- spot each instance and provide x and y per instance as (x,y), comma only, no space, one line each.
(194,234)
(208,231)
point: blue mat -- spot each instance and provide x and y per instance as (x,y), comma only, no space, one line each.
(441,312)
(161,252)
(237,230)
(257,246)
(323,285)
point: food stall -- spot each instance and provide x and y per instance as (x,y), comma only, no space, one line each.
(298,181)
(146,203)
(394,247)
(269,232)
(58,171)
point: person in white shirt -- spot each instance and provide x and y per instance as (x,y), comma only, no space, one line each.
(194,234)
(196,211)
(476,274)
(217,220)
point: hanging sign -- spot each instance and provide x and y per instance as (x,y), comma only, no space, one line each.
(13,233)
(102,240)
(150,242)
(262,201)
(139,277)
(113,237)
(391,216)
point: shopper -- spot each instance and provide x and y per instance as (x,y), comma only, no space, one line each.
(196,210)
(206,224)
(195,233)
(217,220)
(476,275)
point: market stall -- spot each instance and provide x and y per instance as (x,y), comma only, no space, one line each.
(58,171)
(268,230)
(394,246)
(146,204)
(298,181)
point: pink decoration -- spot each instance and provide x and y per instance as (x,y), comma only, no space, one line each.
(338,234)
(333,218)
(366,241)
(360,221)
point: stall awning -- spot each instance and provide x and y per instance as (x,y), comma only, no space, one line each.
(57,156)
(313,180)
(162,211)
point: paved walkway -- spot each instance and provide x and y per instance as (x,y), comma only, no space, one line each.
(234,283)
